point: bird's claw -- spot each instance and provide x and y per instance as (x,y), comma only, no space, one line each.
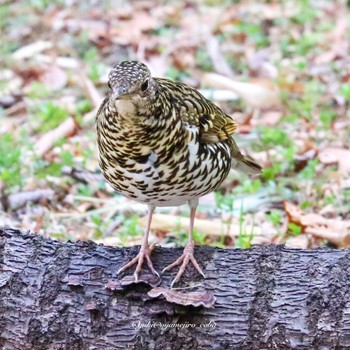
(144,253)
(184,259)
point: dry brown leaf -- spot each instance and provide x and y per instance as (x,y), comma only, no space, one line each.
(144,21)
(336,231)
(333,155)
(183,59)
(32,49)
(269,118)
(272,10)
(129,32)
(63,62)
(339,42)
(301,160)
(54,78)
(256,95)
(246,126)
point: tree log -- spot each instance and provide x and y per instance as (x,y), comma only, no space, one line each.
(56,295)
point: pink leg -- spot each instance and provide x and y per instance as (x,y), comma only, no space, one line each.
(144,253)
(188,253)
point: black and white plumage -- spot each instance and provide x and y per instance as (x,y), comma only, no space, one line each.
(164,144)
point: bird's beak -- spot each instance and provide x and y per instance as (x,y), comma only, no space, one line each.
(119,92)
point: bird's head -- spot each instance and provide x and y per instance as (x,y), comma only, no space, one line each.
(132,88)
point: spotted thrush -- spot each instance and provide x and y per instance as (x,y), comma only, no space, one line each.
(162,143)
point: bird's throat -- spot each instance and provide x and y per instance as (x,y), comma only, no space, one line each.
(125,108)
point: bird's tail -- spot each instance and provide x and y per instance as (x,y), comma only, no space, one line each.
(242,163)
(247,165)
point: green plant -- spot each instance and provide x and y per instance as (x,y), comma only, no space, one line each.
(270,173)
(305,205)
(309,172)
(275,136)
(38,90)
(95,71)
(224,202)
(345,91)
(248,185)
(244,239)
(274,217)
(85,190)
(50,116)
(294,229)
(327,117)
(130,228)
(203,60)
(10,161)
(42,5)
(66,158)
(198,236)
(100,224)
(306,14)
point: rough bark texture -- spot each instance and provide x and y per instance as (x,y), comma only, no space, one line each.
(53,296)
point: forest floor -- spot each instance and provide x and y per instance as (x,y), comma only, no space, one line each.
(293,58)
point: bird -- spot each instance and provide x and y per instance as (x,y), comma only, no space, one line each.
(162,143)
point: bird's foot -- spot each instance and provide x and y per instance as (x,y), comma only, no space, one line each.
(184,259)
(144,253)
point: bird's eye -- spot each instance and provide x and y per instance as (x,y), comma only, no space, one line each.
(144,86)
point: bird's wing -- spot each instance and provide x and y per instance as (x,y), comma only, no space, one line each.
(195,109)
(213,123)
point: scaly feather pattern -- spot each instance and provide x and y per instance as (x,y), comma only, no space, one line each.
(166,144)
(162,143)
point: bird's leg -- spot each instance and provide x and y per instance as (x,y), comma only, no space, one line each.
(145,251)
(188,252)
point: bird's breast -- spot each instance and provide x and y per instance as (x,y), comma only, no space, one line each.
(172,174)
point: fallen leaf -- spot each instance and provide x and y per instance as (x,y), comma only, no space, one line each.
(257,94)
(63,62)
(336,156)
(291,86)
(336,231)
(32,49)
(269,118)
(338,40)
(54,78)
(301,160)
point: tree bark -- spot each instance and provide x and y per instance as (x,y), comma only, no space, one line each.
(53,295)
